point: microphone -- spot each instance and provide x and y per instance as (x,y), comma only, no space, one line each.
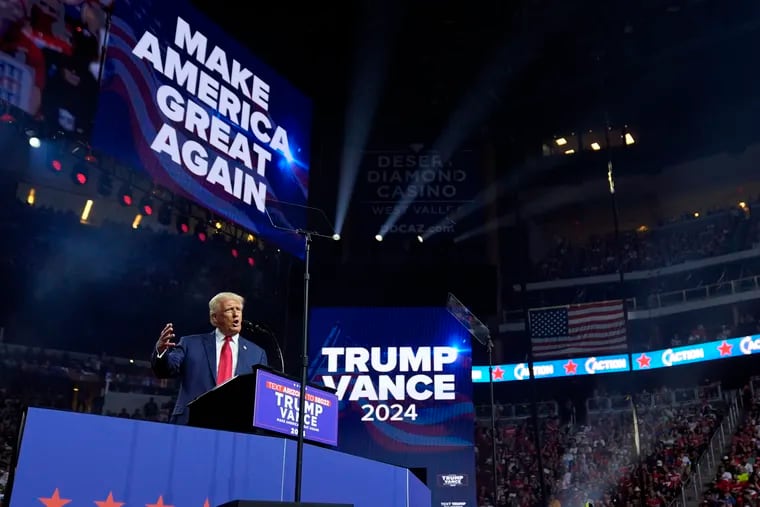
(255,327)
(262,329)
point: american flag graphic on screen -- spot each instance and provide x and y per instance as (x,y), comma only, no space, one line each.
(588,328)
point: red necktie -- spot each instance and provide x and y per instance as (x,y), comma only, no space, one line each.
(225,362)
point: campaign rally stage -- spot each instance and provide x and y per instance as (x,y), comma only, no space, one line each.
(79,459)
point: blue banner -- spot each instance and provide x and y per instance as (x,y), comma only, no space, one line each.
(276,406)
(205,118)
(403,377)
(599,365)
(80,459)
(556,368)
(710,351)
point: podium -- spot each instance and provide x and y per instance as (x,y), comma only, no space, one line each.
(227,407)
(82,458)
(265,402)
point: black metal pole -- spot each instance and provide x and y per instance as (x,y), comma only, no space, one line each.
(637,445)
(304,370)
(616,225)
(495,468)
(523,238)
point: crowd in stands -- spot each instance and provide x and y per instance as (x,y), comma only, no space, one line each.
(596,461)
(737,479)
(69,381)
(691,238)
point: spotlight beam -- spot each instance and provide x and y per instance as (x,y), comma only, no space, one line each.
(523,174)
(483,98)
(551,200)
(371,62)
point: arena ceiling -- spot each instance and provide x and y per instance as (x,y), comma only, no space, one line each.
(556,66)
(681,72)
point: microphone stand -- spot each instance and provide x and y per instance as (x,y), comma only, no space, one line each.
(304,366)
(259,328)
(308,235)
(481,333)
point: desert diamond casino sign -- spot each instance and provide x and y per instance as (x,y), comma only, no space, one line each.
(438,186)
(204,117)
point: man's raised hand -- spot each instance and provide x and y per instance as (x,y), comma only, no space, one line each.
(166,339)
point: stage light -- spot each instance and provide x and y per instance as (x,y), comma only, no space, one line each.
(200,232)
(183,226)
(86,211)
(7,118)
(136,221)
(596,146)
(420,238)
(146,205)
(218,225)
(35,142)
(569,152)
(378,237)
(125,195)
(234,252)
(56,165)
(336,237)
(31,196)
(561,141)
(629,140)
(251,261)
(250,238)
(81,174)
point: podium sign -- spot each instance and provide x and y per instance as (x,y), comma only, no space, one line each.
(276,409)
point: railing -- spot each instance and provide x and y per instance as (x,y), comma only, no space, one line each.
(509,411)
(664,300)
(670,397)
(680,297)
(704,470)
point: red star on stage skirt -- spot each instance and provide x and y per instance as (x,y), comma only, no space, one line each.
(109,502)
(159,503)
(55,500)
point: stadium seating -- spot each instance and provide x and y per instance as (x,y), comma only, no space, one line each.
(597,461)
(687,239)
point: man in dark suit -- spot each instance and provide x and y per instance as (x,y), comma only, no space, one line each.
(203,361)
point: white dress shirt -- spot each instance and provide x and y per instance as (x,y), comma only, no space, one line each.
(233,346)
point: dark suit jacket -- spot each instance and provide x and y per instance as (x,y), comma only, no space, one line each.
(193,361)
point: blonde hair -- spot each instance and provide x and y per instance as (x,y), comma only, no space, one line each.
(215,301)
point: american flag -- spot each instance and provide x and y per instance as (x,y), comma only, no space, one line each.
(589,328)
